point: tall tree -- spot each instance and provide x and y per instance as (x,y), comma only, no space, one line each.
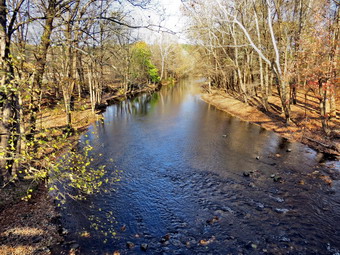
(9,103)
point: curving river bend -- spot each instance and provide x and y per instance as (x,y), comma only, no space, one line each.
(183,188)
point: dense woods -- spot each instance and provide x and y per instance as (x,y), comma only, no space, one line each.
(253,49)
(63,52)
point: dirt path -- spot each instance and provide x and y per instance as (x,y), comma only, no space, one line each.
(306,127)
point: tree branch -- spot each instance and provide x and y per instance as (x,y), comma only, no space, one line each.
(14,17)
(277,54)
(244,30)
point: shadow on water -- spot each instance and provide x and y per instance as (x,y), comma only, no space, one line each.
(197,181)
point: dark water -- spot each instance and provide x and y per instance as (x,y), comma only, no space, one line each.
(182,164)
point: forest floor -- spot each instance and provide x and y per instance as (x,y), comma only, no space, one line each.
(33,226)
(305,126)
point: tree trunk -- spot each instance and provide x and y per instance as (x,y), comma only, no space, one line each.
(80,72)
(263,84)
(9,114)
(41,57)
(240,80)
(282,86)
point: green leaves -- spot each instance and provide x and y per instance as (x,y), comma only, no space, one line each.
(142,67)
(77,177)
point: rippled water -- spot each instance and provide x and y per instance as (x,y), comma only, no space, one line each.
(183,189)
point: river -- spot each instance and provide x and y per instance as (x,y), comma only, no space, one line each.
(195,180)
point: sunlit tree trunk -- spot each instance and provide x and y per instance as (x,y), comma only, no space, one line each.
(239,74)
(263,84)
(9,103)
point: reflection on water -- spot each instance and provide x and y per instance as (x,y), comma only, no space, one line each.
(183,164)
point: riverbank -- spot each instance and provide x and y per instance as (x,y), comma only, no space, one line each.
(305,127)
(32,226)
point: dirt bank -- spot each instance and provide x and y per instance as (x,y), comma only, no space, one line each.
(305,127)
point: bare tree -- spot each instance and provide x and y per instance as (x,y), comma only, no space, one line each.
(9,101)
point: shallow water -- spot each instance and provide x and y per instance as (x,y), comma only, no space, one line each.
(183,164)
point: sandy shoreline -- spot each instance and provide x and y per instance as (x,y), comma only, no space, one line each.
(307,132)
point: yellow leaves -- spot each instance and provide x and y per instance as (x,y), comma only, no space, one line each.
(326,179)
(28,195)
(204,242)
(140,45)
(85,234)
(302,182)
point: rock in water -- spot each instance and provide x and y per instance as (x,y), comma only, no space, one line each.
(277,178)
(281,210)
(165,238)
(64,231)
(246,174)
(130,245)
(213,220)
(252,185)
(144,246)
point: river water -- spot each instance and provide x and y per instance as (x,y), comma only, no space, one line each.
(184,186)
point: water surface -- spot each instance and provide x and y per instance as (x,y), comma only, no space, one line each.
(183,164)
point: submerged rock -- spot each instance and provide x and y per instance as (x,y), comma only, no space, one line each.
(278,199)
(74,246)
(259,206)
(165,238)
(281,210)
(176,243)
(250,245)
(37,239)
(284,239)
